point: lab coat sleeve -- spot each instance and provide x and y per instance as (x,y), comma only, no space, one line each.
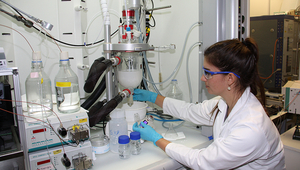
(243,145)
(196,113)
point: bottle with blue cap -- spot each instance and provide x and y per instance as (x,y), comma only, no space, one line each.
(128,32)
(135,143)
(124,147)
(66,86)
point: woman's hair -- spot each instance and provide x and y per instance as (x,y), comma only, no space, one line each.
(240,58)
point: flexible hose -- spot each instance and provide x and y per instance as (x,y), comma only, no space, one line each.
(105,12)
(187,70)
(95,95)
(96,70)
(127,18)
(93,110)
(180,60)
(145,59)
(101,114)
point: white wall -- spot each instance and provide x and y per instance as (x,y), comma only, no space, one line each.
(171,28)
(270,7)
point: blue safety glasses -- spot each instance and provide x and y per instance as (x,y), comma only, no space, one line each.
(208,74)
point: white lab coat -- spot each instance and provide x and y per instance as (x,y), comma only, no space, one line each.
(247,139)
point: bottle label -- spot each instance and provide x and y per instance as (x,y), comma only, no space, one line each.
(63,84)
(101,149)
(34,74)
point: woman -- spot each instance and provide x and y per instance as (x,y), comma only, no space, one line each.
(244,135)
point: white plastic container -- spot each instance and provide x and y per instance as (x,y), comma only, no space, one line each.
(117,126)
(138,107)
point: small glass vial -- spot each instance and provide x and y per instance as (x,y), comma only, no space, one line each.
(135,143)
(124,147)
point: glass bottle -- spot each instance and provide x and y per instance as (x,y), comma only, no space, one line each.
(135,143)
(124,147)
(66,86)
(117,126)
(38,89)
(174,91)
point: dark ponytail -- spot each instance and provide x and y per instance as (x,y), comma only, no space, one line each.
(257,82)
(240,58)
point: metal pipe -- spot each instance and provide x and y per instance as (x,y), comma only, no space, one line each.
(107,54)
(164,7)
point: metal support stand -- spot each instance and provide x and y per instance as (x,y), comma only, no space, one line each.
(20,118)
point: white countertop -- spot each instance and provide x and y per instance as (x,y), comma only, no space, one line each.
(152,157)
(289,142)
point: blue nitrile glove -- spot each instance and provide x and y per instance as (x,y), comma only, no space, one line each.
(144,95)
(147,133)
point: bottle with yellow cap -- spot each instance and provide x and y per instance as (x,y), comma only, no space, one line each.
(38,89)
(66,86)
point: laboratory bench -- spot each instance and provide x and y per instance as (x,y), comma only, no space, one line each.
(284,121)
(291,150)
(152,157)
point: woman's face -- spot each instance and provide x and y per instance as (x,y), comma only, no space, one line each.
(216,85)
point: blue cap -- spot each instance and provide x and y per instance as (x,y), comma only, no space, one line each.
(135,135)
(123,139)
(128,29)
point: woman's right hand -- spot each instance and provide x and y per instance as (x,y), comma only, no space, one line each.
(144,95)
(147,132)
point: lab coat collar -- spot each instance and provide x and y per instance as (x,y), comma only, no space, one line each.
(239,104)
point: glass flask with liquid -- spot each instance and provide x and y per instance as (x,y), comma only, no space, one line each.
(38,89)
(66,86)
(130,72)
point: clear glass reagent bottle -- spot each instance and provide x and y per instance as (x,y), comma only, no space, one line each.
(135,143)
(66,86)
(124,147)
(38,90)
(174,91)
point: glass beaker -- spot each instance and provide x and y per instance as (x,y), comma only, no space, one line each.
(100,144)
